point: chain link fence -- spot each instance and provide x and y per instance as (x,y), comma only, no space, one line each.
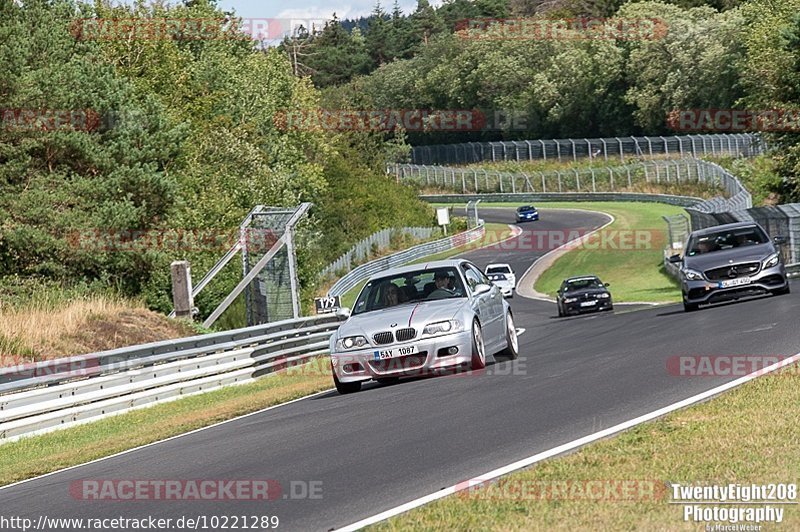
(366,270)
(737,145)
(273,294)
(373,243)
(630,177)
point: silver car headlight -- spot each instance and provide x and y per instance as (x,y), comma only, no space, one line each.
(692,275)
(771,261)
(570,299)
(350,342)
(443,327)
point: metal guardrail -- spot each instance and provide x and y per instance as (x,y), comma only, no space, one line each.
(364,271)
(739,145)
(51,394)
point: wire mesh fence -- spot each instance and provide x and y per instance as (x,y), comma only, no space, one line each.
(639,175)
(273,294)
(373,243)
(364,271)
(738,145)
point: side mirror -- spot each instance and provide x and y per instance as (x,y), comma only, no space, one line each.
(780,240)
(674,259)
(344,312)
(606,284)
(481,289)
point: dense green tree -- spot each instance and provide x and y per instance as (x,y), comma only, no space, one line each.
(426,22)
(376,37)
(336,55)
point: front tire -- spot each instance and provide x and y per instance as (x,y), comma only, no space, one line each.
(783,291)
(478,348)
(690,307)
(346,387)
(511,352)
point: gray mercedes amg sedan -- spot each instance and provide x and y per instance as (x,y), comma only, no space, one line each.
(422,319)
(730,261)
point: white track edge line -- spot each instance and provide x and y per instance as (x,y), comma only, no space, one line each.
(521,464)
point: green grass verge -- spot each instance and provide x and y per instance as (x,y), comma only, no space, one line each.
(42,454)
(635,271)
(494,233)
(703,444)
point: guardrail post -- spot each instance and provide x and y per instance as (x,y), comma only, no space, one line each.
(182,289)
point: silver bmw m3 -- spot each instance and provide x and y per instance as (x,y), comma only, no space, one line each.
(422,319)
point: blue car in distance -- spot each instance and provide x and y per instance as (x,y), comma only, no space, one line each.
(527,213)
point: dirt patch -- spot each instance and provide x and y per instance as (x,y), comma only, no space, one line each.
(129,327)
(80,327)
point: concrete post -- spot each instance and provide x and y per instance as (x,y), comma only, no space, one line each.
(182,289)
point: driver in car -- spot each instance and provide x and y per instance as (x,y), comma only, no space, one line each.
(444,285)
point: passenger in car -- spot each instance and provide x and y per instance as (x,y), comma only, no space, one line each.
(393,296)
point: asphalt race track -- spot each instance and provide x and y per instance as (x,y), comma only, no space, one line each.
(387,445)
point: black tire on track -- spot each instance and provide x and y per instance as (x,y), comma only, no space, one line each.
(346,387)
(512,351)
(477,362)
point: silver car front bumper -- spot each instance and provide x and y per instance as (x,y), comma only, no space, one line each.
(430,356)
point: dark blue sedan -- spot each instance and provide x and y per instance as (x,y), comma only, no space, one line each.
(527,213)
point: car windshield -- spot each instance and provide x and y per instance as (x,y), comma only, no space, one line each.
(582,284)
(497,269)
(726,239)
(411,287)
(525,209)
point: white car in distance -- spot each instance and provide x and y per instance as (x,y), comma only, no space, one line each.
(505,269)
(503,276)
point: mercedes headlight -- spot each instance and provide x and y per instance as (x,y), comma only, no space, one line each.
(604,296)
(350,342)
(692,275)
(443,327)
(570,300)
(771,261)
